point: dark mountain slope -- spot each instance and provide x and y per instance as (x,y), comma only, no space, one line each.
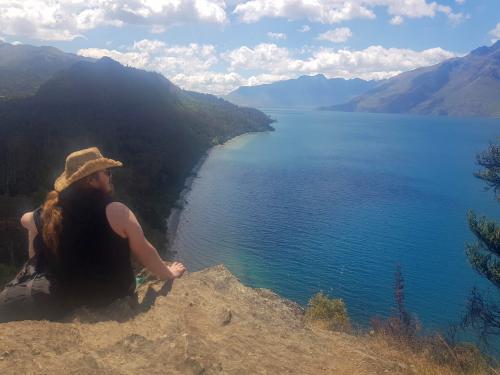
(23,68)
(158,130)
(464,86)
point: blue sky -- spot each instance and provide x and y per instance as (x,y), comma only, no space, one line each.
(216,46)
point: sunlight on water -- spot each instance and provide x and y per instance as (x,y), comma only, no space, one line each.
(333,201)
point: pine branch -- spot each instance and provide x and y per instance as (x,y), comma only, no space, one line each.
(484,263)
(482,315)
(486,231)
(490,161)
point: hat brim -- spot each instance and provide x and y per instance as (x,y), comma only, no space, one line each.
(63,181)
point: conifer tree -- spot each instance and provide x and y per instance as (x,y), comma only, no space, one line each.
(403,315)
(484,253)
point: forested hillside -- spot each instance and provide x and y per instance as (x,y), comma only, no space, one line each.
(23,68)
(158,130)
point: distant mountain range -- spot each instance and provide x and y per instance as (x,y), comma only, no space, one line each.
(463,86)
(303,92)
(23,68)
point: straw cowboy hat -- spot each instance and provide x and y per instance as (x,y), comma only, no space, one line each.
(83,163)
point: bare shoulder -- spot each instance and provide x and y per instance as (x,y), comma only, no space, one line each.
(116,209)
(28,221)
(118,215)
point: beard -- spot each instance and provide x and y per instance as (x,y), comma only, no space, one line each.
(110,191)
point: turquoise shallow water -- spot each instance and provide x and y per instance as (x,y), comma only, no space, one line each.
(333,201)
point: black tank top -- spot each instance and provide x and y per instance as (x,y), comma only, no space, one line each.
(92,266)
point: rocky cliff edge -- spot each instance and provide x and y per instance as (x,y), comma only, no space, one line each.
(207,322)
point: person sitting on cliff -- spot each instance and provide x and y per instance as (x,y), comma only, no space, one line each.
(82,240)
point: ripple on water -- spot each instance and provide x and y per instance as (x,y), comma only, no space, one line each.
(334,201)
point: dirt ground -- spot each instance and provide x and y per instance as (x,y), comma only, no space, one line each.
(207,322)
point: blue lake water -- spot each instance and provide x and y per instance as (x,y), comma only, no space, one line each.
(333,201)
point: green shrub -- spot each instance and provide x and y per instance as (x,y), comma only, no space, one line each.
(328,312)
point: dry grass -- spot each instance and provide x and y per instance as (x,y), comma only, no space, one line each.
(401,344)
(432,355)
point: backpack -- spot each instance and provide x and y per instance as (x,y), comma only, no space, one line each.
(32,268)
(29,294)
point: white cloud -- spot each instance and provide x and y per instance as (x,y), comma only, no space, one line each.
(222,83)
(374,62)
(265,56)
(495,33)
(158,29)
(334,11)
(187,66)
(69,19)
(264,78)
(396,20)
(338,35)
(460,1)
(209,81)
(16,43)
(192,66)
(276,36)
(324,11)
(157,56)
(456,18)
(203,68)
(304,29)
(66,20)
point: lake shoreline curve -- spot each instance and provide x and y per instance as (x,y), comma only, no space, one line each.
(173,219)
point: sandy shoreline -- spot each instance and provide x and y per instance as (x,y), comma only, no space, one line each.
(175,212)
(173,219)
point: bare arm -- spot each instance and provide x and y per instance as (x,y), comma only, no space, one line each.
(28,222)
(125,224)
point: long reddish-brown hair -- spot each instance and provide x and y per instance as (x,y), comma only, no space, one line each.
(52,221)
(52,213)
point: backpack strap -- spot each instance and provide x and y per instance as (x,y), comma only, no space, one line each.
(37,263)
(37,217)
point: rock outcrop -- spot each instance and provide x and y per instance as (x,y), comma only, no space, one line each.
(207,322)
